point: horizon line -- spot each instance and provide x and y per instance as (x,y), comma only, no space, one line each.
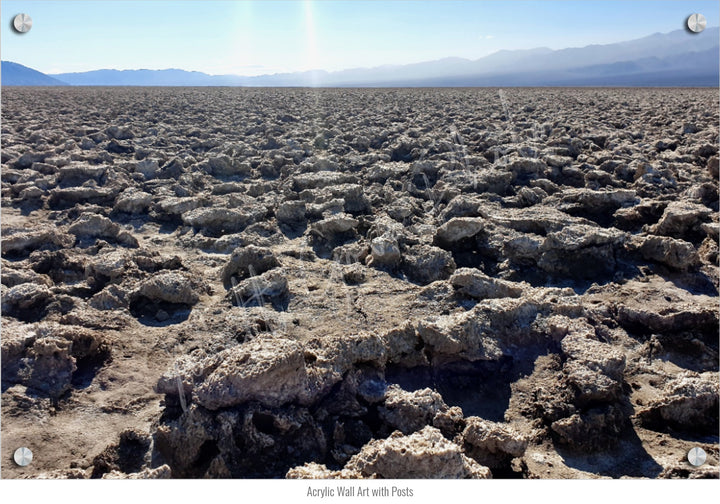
(386,65)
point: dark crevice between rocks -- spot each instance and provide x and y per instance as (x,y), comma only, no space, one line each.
(507,472)
(685,420)
(33,313)
(170,226)
(696,282)
(475,259)
(151,264)
(87,368)
(254,457)
(293,231)
(601,217)
(583,275)
(264,422)
(172,409)
(29,206)
(208,451)
(473,252)
(159,313)
(127,456)
(623,455)
(58,266)
(323,247)
(602,426)
(96,283)
(480,388)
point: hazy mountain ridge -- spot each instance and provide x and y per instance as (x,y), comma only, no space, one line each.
(15,74)
(670,59)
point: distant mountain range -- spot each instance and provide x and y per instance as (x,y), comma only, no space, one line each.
(15,74)
(678,58)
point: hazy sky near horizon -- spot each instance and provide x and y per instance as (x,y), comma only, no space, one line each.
(260,37)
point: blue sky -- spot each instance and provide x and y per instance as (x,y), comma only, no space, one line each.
(257,37)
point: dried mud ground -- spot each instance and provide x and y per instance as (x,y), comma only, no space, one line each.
(405,283)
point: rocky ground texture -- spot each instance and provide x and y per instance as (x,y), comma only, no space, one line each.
(405,283)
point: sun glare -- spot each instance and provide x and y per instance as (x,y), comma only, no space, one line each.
(311,51)
(241,57)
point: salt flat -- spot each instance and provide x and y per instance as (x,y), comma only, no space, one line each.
(459,283)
